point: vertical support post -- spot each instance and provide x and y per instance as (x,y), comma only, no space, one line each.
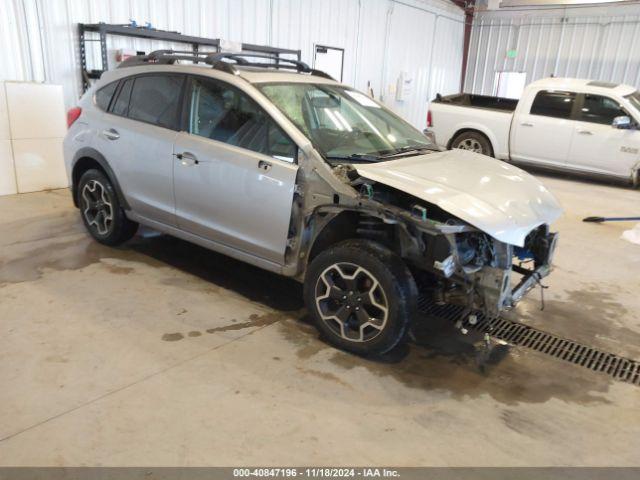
(83,58)
(194,47)
(468,24)
(103,48)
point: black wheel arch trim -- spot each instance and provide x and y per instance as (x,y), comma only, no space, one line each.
(93,154)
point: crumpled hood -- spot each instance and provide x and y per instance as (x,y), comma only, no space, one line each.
(493,196)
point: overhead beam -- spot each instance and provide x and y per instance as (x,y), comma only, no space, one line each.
(555,3)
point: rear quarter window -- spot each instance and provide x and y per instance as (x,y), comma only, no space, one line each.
(104,95)
(121,104)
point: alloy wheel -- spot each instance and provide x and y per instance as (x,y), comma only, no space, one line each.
(97,207)
(470,144)
(351,302)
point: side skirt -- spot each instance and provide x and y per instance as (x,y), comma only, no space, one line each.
(208,244)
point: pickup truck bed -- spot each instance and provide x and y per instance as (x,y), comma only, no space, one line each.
(462,112)
(479,101)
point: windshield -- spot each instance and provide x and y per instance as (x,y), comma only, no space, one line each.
(634,98)
(345,124)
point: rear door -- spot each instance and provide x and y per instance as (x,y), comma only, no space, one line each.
(234,171)
(597,146)
(141,128)
(542,134)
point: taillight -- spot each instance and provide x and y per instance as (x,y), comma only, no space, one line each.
(73,115)
(429,119)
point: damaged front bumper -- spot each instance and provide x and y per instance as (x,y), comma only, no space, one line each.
(494,285)
(503,278)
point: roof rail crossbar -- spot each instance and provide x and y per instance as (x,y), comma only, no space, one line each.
(279,62)
(166,57)
(220,61)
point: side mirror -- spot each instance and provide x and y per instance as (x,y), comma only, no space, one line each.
(622,122)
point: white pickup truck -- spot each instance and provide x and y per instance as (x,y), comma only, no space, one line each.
(573,125)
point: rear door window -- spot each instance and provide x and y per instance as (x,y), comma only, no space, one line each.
(599,109)
(226,114)
(556,104)
(121,105)
(155,99)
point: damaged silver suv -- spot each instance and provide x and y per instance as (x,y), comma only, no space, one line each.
(280,166)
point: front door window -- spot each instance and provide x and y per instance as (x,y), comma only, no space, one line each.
(226,114)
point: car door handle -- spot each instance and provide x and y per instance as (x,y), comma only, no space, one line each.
(263,165)
(585,132)
(111,134)
(187,159)
(526,124)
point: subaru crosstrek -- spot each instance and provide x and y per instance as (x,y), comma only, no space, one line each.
(280,166)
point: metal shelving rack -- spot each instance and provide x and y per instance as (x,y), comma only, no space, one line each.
(105,29)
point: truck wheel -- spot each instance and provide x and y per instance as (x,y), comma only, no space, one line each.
(361,296)
(474,141)
(100,209)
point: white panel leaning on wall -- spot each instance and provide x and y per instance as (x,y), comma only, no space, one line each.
(35,121)
(7,170)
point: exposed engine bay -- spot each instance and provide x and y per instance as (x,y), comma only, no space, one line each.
(454,260)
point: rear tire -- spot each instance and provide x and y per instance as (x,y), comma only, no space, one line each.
(361,297)
(101,211)
(473,141)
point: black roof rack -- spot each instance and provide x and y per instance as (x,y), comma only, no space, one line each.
(276,62)
(167,57)
(218,61)
(223,61)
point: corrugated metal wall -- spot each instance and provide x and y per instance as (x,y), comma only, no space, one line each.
(381,38)
(428,47)
(599,43)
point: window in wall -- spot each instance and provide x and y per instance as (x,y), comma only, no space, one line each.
(223,113)
(156,99)
(555,104)
(599,109)
(509,84)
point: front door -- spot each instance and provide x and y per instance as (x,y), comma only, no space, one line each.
(234,172)
(599,147)
(543,134)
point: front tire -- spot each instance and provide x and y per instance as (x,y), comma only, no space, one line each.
(473,141)
(101,211)
(361,297)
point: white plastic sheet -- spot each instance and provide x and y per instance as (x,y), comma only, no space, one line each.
(632,235)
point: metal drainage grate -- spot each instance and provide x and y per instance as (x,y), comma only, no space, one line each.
(514,333)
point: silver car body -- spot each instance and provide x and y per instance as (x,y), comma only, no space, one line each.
(274,212)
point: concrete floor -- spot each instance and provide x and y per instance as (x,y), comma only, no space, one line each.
(162,353)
